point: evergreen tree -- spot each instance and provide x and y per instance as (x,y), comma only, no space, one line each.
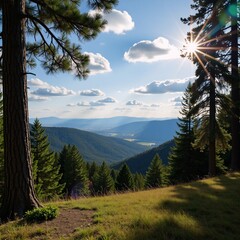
(234,59)
(124,179)
(186,163)
(103,182)
(93,169)
(45,166)
(114,174)
(210,37)
(139,182)
(1,147)
(51,24)
(73,170)
(154,174)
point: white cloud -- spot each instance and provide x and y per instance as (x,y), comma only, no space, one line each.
(91,93)
(83,104)
(45,90)
(53,91)
(36,82)
(108,100)
(177,101)
(117,21)
(160,87)
(151,51)
(71,105)
(96,104)
(154,105)
(34,98)
(98,64)
(134,103)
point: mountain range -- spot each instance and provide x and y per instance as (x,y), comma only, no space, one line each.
(153,132)
(146,131)
(93,147)
(91,124)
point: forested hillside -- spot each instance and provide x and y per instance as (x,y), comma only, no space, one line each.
(141,162)
(93,147)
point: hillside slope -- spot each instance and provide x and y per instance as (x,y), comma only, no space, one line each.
(207,209)
(141,162)
(92,146)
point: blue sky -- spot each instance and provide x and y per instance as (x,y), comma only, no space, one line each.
(135,67)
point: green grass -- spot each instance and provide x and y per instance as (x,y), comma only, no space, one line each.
(207,209)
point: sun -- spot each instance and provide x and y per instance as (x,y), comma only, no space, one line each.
(192,47)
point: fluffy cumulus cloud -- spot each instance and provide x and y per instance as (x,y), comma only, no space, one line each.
(44,90)
(98,64)
(91,93)
(36,82)
(117,21)
(160,87)
(151,51)
(53,91)
(108,100)
(134,103)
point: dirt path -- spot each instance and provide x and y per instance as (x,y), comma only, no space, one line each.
(66,223)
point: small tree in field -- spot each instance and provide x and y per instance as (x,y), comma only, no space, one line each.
(155,173)
(139,182)
(103,182)
(124,179)
(74,173)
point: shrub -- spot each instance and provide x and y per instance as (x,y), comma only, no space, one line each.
(41,214)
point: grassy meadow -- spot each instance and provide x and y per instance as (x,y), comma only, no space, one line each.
(207,209)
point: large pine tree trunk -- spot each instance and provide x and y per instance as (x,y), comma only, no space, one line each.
(235,95)
(19,193)
(212,128)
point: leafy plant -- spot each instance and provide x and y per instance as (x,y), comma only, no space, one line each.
(41,214)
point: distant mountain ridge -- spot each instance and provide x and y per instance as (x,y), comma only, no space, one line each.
(140,162)
(91,124)
(92,146)
(156,131)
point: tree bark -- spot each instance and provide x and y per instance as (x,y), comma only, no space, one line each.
(19,195)
(235,94)
(212,128)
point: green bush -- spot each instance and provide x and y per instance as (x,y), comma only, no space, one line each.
(41,214)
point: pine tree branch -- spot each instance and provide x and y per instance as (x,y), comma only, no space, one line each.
(53,37)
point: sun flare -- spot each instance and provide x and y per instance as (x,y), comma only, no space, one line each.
(192,47)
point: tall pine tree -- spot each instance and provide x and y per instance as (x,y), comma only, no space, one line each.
(74,173)
(185,162)
(1,146)
(46,168)
(51,25)
(211,39)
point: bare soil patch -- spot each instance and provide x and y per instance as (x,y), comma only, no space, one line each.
(67,222)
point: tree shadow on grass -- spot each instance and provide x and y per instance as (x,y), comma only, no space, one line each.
(199,210)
